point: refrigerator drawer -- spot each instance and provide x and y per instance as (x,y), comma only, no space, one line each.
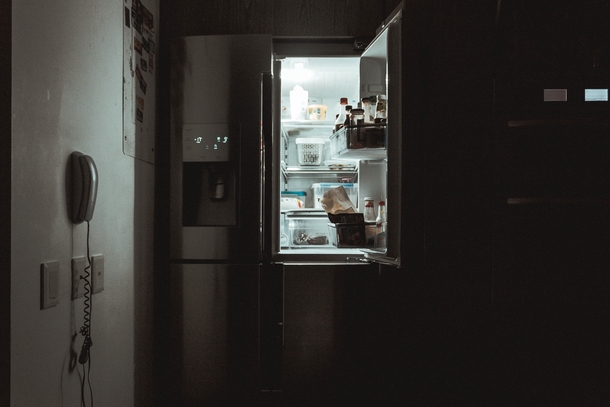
(352,234)
(307,229)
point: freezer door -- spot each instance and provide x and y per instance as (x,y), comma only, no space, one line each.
(381,73)
(215,155)
(214,334)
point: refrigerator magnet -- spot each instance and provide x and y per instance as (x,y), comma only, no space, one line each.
(141,79)
(137,23)
(140,102)
(137,45)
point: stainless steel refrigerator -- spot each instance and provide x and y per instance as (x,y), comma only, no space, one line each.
(253,317)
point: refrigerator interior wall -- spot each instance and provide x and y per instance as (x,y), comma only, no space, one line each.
(307,84)
(325,81)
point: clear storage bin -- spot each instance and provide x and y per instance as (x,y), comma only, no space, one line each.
(307,229)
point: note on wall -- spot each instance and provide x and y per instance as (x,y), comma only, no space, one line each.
(139,65)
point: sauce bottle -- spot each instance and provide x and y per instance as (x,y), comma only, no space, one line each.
(369,209)
(380,112)
(367,106)
(380,226)
(341,116)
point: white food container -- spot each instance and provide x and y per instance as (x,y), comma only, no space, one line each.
(310,151)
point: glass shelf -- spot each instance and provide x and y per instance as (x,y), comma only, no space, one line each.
(319,172)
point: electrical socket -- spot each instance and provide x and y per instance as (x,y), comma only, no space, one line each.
(49,284)
(97,273)
(78,277)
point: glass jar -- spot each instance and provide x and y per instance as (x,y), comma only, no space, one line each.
(369,209)
(369,114)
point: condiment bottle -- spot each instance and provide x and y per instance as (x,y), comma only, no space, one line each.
(357,139)
(357,116)
(367,106)
(369,209)
(380,226)
(341,116)
(380,112)
(348,116)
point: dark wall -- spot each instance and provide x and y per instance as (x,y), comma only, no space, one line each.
(280,18)
(5,201)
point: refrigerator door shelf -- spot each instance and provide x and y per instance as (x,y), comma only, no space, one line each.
(366,142)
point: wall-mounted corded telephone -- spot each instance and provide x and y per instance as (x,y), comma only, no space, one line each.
(84,194)
(84,187)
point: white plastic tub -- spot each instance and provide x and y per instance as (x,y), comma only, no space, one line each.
(310,151)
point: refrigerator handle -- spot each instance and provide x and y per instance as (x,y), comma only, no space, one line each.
(266,190)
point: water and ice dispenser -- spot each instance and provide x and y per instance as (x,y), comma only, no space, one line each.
(210,171)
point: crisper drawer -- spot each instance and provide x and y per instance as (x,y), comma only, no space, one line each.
(307,229)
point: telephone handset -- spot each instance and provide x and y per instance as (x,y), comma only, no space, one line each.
(84,187)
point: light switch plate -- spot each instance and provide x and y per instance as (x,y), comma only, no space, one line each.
(49,284)
(97,272)
(78,271)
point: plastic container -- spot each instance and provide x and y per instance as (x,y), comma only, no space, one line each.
(316,112)
(320,188)
(293,199)
(302,195)
(307,229)
(299,99)
(310,151)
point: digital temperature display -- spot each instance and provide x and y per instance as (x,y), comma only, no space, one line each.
(205,142)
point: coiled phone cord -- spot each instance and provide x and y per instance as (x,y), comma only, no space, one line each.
(85,330)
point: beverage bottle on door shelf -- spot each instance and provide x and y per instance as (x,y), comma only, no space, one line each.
(341,116)
(380,226)
(348,116)
(381,110)
(369,209)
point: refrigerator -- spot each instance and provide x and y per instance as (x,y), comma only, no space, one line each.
(239,288)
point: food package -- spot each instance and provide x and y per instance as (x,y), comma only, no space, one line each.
(336,201)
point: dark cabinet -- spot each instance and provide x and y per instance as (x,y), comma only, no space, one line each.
(550,303)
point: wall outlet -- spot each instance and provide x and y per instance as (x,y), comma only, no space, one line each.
(97,273)
(78,277)
(49,284)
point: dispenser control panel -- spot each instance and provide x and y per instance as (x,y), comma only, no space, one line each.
(205,142)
